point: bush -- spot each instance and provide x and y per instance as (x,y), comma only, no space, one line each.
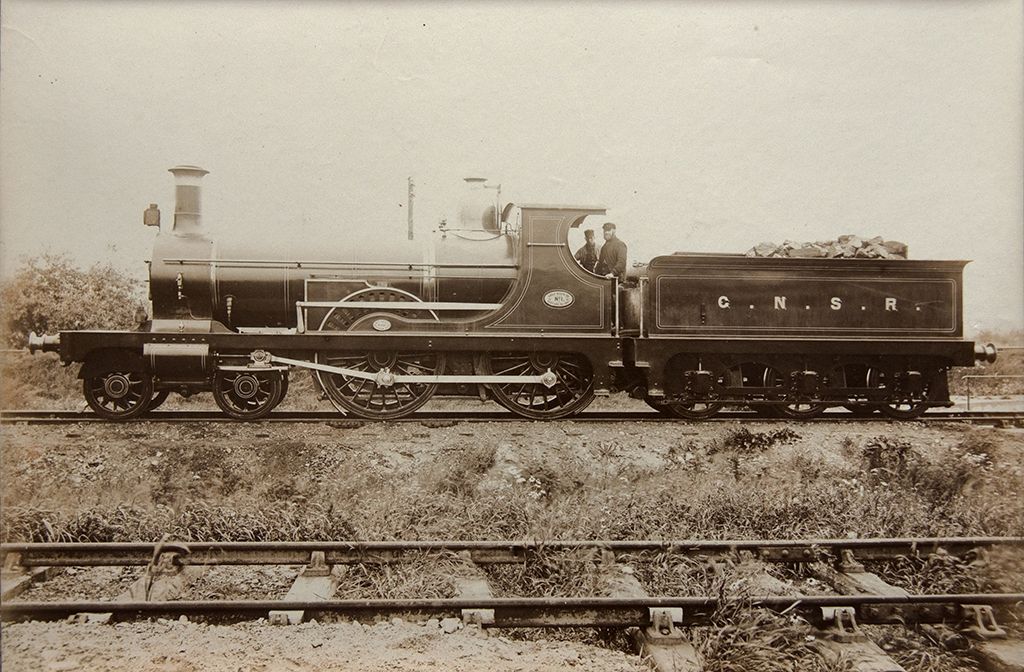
(38,382)
(49,294)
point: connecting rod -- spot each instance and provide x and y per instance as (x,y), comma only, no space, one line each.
(386,378)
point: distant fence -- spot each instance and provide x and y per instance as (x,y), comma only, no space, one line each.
(967,379)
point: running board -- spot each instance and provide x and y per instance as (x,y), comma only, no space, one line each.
(385,378)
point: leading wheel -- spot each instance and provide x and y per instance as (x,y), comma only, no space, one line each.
(119,395)
(247,395)
(387,400)
(572,392)
(158,398)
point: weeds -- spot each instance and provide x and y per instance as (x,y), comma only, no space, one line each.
(758,640)
(915,652)
(461,469)
(417,577)
(549,573)
(939,476)
(744,441)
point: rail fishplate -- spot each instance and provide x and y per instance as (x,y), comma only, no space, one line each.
(663,622)
(844,622)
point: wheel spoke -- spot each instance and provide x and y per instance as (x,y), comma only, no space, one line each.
(572,392)
(363,397)
(247,395)
(118,395)
(904,403)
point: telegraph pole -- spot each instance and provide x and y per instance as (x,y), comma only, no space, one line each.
(411,194)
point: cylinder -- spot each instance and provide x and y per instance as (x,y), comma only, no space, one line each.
(187,204)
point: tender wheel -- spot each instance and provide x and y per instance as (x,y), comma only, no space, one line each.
(379,402)
(904,410)
(247,395)
(760,382)
(800,411)
(858,382)
(158,398)
(772,384)
(909,395)
(765,410)
(119,395)
(693,411)
(694,384)
(573,391)
(660,406)
(861,410)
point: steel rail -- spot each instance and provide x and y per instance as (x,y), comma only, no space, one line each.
(378,552)
(496,415)
(544,612)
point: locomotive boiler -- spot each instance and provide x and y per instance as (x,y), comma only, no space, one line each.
(496,307)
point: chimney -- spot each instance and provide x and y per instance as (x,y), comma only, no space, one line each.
(187,210)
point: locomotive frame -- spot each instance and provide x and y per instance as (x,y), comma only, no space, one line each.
(533,331)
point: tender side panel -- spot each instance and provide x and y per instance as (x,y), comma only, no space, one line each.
(831,298)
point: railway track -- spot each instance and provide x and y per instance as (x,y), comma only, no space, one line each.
(996,418)
(836,598)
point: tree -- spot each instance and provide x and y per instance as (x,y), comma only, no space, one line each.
(50,293)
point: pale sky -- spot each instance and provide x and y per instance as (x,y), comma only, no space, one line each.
(702,126)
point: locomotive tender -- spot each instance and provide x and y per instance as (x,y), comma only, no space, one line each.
(499,309)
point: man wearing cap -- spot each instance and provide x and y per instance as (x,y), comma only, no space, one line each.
(587,255)
(612,262)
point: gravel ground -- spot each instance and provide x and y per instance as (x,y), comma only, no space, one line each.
(183,647)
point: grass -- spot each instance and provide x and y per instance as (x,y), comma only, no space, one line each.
(199,486)
(38,382)
(755,639)
(195,522)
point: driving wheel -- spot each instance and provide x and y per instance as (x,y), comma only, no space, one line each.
(572,392)
(381,398)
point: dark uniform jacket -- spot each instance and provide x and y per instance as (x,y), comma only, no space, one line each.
(612,259)
(587,256)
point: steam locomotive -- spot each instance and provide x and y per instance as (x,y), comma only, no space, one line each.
(498,309)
